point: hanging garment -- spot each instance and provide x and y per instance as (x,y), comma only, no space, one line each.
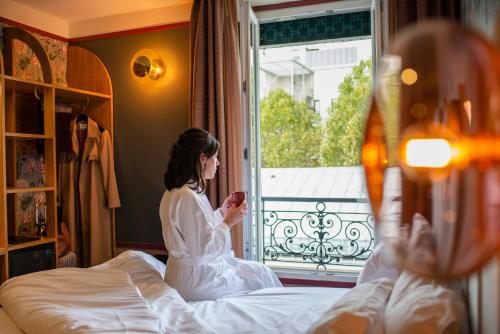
(93,184)
(201,264)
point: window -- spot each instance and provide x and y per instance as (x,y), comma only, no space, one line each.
(311,212)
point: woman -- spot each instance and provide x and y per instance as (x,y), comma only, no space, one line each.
(201,264)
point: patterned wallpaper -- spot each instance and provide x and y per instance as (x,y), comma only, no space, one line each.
(316,28)
(26,64)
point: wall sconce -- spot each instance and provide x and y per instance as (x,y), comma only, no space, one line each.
(147,64)
(434,123)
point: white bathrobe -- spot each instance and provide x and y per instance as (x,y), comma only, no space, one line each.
(201,264)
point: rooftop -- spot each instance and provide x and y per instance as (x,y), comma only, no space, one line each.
(322,182)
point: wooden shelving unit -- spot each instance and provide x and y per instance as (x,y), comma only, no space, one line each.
(4,269)
(89,88)
(23,86)
(42,241)
(27,136)
(74,94)
(28,190)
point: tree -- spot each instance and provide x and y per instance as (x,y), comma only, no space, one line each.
(345,125)
(290,132)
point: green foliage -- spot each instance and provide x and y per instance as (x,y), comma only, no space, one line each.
(290,132)
(347,115)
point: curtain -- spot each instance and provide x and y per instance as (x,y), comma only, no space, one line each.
(405,12)
(215,94)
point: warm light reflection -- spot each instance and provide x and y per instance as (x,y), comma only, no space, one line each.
(156,71)
(427,153)
(409,76)
(370,155)
(468,110)
(485,149)
(419,110)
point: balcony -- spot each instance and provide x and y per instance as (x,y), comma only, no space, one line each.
(320,234)
(315,220)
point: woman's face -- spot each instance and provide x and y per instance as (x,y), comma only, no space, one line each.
(209,165)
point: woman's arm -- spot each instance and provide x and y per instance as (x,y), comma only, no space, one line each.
(219,216)
(202,235)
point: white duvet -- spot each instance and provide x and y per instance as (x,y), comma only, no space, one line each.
(128,295)
(124,295)
(72,300)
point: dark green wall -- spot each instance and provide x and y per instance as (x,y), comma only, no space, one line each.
(148,117)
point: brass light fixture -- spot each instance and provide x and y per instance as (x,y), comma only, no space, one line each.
(146,64)
(434,122)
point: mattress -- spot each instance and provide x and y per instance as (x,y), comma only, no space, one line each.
(276,310)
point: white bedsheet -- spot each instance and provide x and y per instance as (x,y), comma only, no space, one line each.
(128,295)
(290,310)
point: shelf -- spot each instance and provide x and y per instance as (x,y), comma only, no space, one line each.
(26,136)
(3,251)
(24,86)
(63,94)
(73,96)
(14,190)
(43,240)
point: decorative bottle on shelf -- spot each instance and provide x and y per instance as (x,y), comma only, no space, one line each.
(41,219)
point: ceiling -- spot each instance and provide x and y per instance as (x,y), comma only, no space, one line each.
(73,19)
(77,10)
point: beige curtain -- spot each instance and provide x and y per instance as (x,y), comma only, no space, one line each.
(405,12)
(215,94)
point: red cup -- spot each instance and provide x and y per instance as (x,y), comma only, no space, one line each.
(238,197)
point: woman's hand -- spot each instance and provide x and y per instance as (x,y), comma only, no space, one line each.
(234,214)
(228,202)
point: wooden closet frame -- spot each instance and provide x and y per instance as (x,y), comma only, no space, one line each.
(88,84)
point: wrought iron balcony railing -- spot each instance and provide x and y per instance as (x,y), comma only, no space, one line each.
(320,233)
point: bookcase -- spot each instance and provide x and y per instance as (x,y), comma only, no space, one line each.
(29,126)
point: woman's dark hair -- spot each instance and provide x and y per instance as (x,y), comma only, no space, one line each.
(184,165)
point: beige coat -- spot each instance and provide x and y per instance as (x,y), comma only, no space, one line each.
(97,194)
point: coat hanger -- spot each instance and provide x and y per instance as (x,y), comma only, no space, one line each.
(36,94)
(83,117)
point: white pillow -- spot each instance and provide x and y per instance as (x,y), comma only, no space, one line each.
(419,251)
(381,263)
(421,248)
(420,305)
(361,310)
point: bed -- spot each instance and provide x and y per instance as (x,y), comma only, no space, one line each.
(128,295)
